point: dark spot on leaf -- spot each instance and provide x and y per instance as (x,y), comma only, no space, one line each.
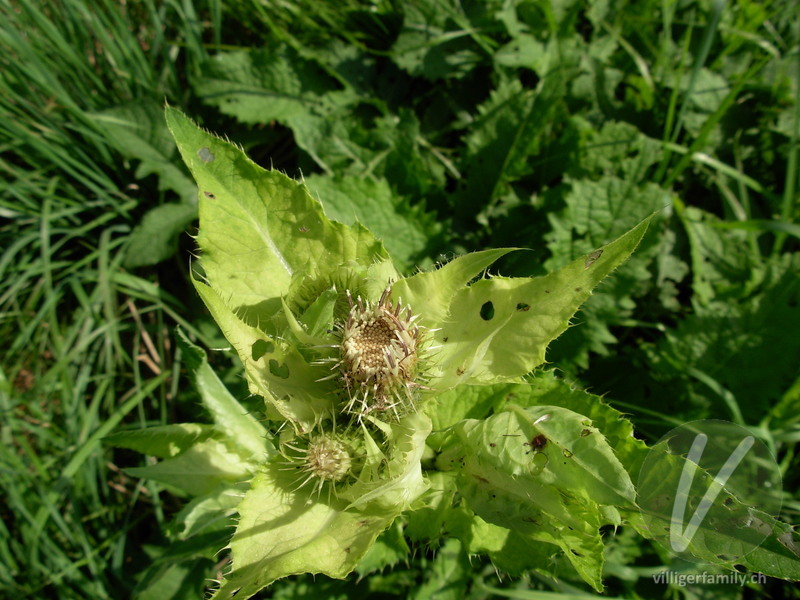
(578,289)
(538,442)
(444,339)
(347,550)
(209,195)
(481,479)
(492,444)
(459,371)
(575,552)
(728,501)
(487,311)
(205,155)
(591,258)
(523,307)
(585,432)
(261,347)
(547,291)
(281,371)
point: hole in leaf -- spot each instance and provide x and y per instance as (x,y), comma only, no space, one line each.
(487,311)
(585,432)
(523,307)
(205,155)
(281,371)
(260,348)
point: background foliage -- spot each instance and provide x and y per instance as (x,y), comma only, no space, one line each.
(444,127)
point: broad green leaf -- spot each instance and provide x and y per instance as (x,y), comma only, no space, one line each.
(405,232)
(731,534)
(163,441)
(425,523)
(509,127)
(464,402)
(258,227)
(723,264)
(284,530)
(431,293)
(176,580)
(617,151)
(237,426)
(199,469)
(499,328)
(274,369)
(545,389)
(399,481)
(319,316)
(212,511)
(509,550)
(447,576)
(542,472)
(287,531)
(733,358)
(137,131)
(548,447)
(388,550)
(259,85)
(156,237)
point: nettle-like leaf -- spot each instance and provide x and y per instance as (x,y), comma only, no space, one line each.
(545,472)
(359,360)
(405,231)
(283,530)
(266,226)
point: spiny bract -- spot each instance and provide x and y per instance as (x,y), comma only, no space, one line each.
(379,356)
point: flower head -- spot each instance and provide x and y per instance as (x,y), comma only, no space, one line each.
(379,355)
(322,459)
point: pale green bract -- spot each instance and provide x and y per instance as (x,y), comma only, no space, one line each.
(427,434)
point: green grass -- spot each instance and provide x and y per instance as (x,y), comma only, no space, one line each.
(594,118)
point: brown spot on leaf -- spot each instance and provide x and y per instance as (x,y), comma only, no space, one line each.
(590,260)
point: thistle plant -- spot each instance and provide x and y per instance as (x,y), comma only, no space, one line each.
(386,397)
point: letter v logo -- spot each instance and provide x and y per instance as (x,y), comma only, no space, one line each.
(680,538)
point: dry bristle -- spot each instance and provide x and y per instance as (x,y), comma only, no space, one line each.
(326,460)
(378,360)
